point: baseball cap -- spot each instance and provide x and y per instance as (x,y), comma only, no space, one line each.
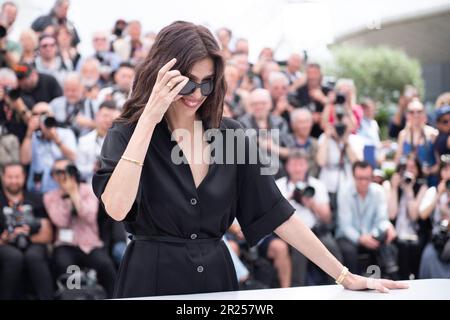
(22,70)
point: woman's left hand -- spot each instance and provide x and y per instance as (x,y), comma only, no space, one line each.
(355,282)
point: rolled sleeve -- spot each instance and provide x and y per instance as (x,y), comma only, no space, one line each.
(113,148)
(261,206)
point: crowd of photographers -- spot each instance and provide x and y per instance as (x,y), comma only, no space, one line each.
(56,106)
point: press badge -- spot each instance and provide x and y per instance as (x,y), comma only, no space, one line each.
(66,235)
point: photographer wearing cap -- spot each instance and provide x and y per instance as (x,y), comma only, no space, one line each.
(442,142)
(435,262)
(45,142)
(73,209)
(309,197)
(36,87)
(363,224)
(407,190)
(25,232)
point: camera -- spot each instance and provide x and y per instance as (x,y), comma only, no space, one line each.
(339,126)
(3,32)
(408,177)
(447,185)
(303,190)
(340,99)
(387,254)
(12,93)
(440,237)
(340,129)
(15,218)
(49,121)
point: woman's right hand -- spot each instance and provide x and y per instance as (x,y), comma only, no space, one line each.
(167,86)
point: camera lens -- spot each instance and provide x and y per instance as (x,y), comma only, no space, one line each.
(50,122)
(447,185)
(340,98)
(3,31)
(13,94)
(340,129)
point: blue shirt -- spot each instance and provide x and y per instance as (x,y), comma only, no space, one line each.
(358,216)
(43,155)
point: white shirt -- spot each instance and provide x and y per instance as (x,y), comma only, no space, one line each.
(320,196)
(331,174)
(89,148)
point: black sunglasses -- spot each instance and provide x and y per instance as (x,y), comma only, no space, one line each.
(205,87)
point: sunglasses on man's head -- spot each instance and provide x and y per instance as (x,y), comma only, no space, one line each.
(205,87)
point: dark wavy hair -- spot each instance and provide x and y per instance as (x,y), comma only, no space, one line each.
(188,43)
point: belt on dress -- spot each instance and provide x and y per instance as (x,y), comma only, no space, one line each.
(172,239)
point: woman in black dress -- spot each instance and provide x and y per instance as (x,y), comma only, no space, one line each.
(176,207)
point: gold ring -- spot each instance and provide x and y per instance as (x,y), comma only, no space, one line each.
(169,85)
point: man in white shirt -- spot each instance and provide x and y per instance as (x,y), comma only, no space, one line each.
(310,199)
(90,145)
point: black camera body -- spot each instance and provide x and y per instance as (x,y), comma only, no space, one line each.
(303,190)
(3,31)
(339,126)
(387,254)
(18,218)
(440,238)
(49,121)
(13,93)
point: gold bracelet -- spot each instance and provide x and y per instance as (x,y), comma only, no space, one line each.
(342,276)
(132,161)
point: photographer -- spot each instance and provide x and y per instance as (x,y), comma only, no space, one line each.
(417,138)
(90,145)
(119,91)
(313,96)
(398,121)
(43,144)
(407,191)
(309,197)
(73,210)
(73,109)
(442,143)
(57,17)
(25,232)
(14,114)
(343,101)
(435,261)
(337,150)
(50,61)
(363,225)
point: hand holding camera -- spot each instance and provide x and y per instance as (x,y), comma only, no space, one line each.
(368,241)
(304,194)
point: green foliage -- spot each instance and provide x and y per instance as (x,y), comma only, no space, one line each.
(379,72)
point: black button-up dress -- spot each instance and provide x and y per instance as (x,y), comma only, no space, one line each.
(177,248)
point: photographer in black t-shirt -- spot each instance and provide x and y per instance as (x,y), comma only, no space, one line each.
(25,230)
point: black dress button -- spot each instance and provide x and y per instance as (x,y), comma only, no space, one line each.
(193,201)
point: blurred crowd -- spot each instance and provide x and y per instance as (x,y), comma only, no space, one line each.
(372,202)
